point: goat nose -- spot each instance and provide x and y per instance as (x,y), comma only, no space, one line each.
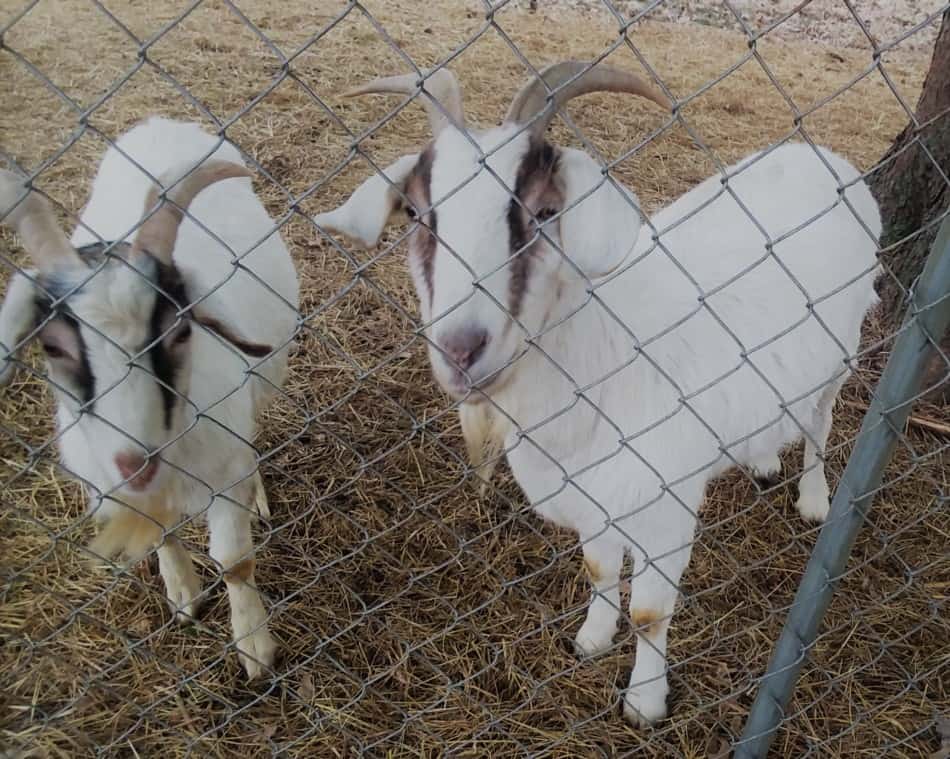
(136,468)
(465,346)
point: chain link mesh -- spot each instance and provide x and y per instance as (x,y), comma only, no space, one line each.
(416,616)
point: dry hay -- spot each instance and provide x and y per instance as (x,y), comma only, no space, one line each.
(415,618)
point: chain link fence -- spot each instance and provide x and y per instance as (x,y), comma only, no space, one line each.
(415,612)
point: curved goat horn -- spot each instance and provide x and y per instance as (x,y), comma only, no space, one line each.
(570,79)
(31,215)
(442,87)
(158,232)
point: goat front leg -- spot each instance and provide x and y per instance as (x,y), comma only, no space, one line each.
(653,593)
(603,560)
(229,525)
(182,585)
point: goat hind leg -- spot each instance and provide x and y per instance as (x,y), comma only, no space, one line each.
(813,494)
(767,468)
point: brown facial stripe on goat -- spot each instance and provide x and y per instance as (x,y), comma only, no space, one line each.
(83,376)
(243,571)
(419,192)
(537,167)
(164,363)
(647,621)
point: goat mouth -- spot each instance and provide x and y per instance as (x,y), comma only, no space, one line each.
(460,388)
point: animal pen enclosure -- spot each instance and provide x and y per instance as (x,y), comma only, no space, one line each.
(414,616)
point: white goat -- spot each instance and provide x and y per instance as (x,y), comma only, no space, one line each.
(627,372)
(162,352)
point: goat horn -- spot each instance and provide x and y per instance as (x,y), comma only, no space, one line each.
(570,79)
(31,215)
(442,87)
(158,233)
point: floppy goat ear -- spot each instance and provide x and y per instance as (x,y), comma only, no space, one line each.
(601,219)
(364,215)
(17,317)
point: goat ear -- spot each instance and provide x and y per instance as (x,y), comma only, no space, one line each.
(18,316)
(255,350)
(601,219)
(364,215)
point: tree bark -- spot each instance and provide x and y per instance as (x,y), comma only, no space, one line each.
(912,193)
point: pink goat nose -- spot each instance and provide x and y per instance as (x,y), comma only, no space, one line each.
(465,346)
(136,468)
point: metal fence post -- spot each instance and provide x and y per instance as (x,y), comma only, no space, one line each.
(928,317)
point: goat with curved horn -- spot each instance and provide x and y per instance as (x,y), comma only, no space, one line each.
(441,85)
(570,79)
(158,232)
(31,215)
(513,233)
(142,358)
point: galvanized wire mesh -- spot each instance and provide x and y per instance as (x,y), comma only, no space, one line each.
(413,615)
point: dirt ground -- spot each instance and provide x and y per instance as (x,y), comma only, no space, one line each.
(909,25)
(415,618)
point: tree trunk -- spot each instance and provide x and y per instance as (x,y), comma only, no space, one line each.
(912,192)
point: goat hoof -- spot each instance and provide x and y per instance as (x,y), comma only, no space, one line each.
(642,709)
(257,651)
(767,471)
(813,499)
(813,508)
(591,642)
(183,597)
(184,615)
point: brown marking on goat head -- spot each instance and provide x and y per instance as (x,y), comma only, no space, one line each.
(536,195)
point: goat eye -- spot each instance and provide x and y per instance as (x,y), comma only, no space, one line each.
(53,351)
(545,213)
(183,335)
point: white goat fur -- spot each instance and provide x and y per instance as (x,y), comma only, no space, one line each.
(642,497)
(208,465)
(484,433)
